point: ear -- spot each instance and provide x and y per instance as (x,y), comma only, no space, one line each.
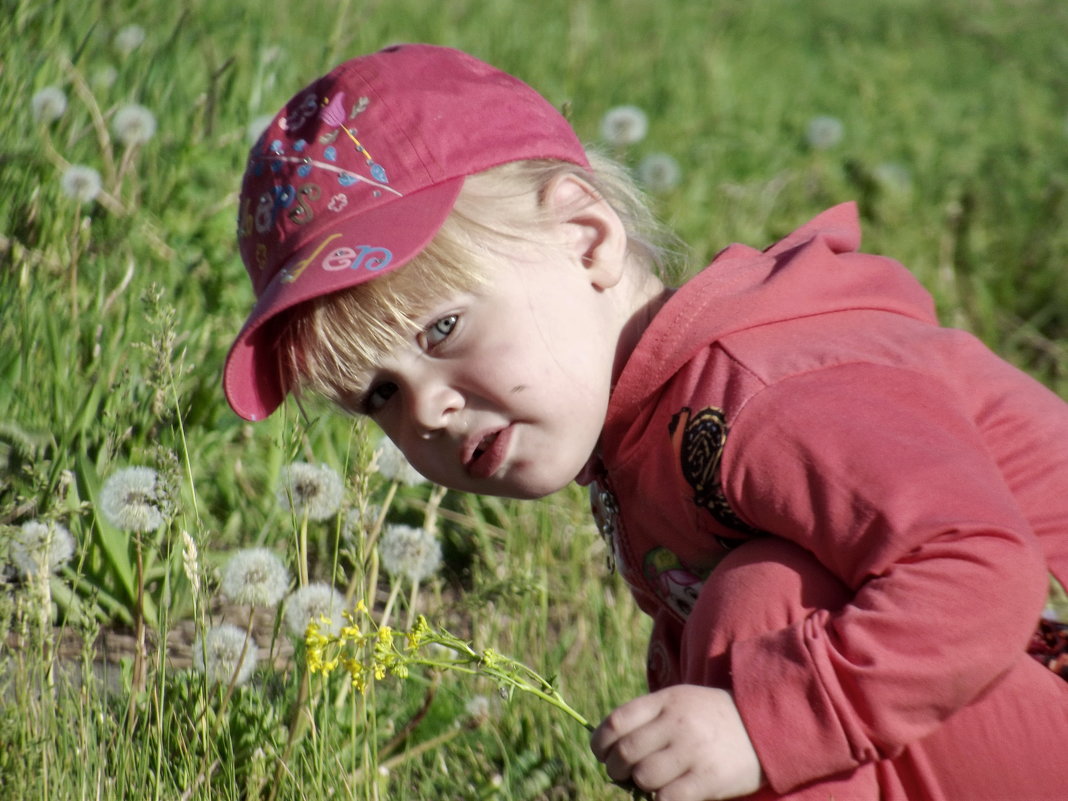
(589,226)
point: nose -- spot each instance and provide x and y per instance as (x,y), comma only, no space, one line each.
(434,404)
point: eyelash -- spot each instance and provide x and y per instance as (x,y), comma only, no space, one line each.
(368,404)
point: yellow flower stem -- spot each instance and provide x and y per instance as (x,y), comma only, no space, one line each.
(508,680)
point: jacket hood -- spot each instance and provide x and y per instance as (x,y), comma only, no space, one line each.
(815,270)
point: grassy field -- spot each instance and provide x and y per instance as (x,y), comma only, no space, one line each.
(946,119)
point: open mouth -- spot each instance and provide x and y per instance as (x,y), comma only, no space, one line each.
(487,455)
(484,445)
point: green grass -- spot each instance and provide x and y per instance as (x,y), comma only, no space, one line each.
(117,315)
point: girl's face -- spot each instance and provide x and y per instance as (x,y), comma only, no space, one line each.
(505,390)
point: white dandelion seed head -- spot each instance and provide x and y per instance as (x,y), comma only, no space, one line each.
(134,499)
(624,125)
(81,183)
(394,465)
(41,546)
(314,490)
(133,124)
(358,522)
(659,172)
(48,104)
(271,54)
(254,577)
(105,77)
(256,128)
(478,708)
(414,553)
(218,654)
(823,132)
(316,603)
(893,177)
(129,38)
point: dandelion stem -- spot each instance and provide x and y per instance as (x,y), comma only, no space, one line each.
(430,515)
(295,730)
(72,271)
(140,653)
(394,590)
(412,598)
(302,550)
(99,125)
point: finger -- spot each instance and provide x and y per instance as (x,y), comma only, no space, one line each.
(688,787)
(642,751)
(659,769)
(622,721)
(707,783)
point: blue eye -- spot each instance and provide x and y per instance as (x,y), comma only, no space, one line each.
(439,331)
(378,395)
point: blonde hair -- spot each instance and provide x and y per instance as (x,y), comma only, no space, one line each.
(330,344)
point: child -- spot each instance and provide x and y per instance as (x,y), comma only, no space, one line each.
(840,516)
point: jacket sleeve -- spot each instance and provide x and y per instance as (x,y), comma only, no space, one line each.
(876,472)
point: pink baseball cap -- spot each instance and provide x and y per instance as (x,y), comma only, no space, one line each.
(355,175)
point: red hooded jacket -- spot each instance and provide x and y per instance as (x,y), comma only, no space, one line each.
(807,392)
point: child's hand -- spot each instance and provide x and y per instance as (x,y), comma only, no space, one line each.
(685,743)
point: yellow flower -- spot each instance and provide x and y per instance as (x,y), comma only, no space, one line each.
(417,636)
(351,634)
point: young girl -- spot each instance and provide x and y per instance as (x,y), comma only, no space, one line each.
(841,516)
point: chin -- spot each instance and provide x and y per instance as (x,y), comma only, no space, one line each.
(540,487)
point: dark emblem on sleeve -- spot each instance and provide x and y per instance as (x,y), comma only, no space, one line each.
(699,438)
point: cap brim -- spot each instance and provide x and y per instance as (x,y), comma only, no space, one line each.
(402,228)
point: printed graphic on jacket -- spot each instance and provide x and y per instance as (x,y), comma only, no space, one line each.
(677,586)
(670,580)
(698,439)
